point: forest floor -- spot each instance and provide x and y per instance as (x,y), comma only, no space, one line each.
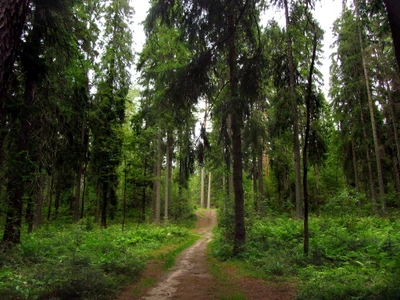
(197,276)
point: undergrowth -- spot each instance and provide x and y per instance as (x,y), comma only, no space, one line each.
(350,257)
(79,261)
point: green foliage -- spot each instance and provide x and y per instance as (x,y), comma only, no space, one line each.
(350,257)
(80,262)
(348,198)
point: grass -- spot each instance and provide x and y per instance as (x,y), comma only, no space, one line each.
(169,258)
(226,285)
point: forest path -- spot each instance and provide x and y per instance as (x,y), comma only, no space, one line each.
(192,278)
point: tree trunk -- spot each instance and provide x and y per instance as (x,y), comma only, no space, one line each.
(154,188)
(371,107)
(12,20)
(228,156)
(124,198)
(393,10)
(225,187)
(209,191)
(306,138)
(317,178)
(370,172)
(168,174)
(202,187)
(79,174)
(38,196)
(355,169)
(261,192)
(240,231)
(296,141)
(83,194)
(29,212)
(157,183)
(78,193)
(143,218)
(112,195)
(50,196)
(385,84)
(396,159)
(58,193)
(255,176)
(396,175)
(202,195)
(104,203)
(225,194)
(98,196)
(394,124)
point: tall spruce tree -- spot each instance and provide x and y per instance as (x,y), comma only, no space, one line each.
(108,112)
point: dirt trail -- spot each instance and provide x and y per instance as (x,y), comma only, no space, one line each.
(190,278)
(183,281)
